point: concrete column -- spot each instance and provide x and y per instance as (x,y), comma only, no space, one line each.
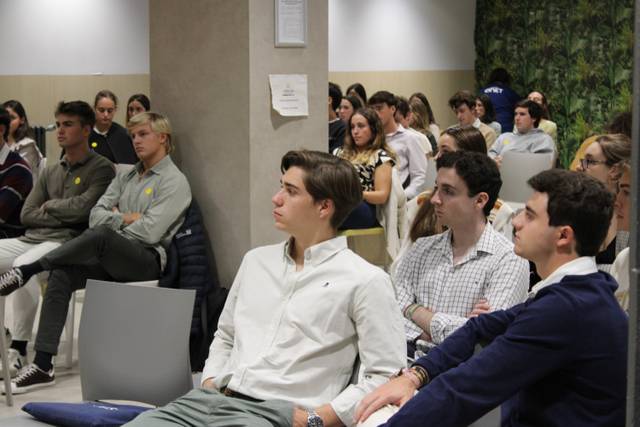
(209,67)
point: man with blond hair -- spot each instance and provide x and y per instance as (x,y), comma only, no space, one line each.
(130,228)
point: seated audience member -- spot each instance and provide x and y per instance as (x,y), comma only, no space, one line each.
(349,105)
(468,269)
(131,226)
(366,149)
(430,120)
(420,122)
(486,113)
(15,182)
(337,128)
(137,103)
(404,117)
(358,90)
(620,267)
(298,316)
(56,210)
(528,138)
(621,123)
(539,357)
(411,161)
(601,161)
(463,104)
(502,97)
(108,138)
(547,126)
(423,221)
(20,137)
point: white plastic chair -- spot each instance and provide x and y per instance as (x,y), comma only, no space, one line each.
(516,169)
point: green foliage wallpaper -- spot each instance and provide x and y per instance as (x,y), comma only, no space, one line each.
(579,53)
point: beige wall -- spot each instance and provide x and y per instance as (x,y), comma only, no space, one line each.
(438,86)
(212,81)
(40,94)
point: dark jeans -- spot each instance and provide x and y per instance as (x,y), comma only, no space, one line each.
(98,253)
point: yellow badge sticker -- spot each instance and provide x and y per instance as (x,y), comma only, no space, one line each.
(94,144)
(77,180)
(505,142)
(148,191)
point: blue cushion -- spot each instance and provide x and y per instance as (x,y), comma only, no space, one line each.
(84,414)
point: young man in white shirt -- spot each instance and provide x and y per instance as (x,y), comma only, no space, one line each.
(298,317)
(463,104)
(468,269)
(412,162)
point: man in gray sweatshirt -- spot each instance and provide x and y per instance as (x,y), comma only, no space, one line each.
(527,138)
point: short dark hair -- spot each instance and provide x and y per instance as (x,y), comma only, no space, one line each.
(467,139)
(578,201)
(462,97)
(489,111)
(105,93)
(479,172)
(327,177)
(621,123)
(535,110)
(500,75)
(5,120)
(336,95)
(383,97)
(359,89)
(23,130)
(402,106)
(80,109)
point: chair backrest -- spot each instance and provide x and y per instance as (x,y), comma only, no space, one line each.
(432,172)
(133,342)
(516,169)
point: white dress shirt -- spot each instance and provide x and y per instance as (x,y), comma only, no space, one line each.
(296,335)
(427,276)
(412,162)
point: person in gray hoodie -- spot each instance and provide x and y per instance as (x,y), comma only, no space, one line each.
(527,138)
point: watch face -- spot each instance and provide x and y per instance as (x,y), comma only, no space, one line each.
(314,420)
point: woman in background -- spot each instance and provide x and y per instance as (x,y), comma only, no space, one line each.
(21,136)
(365,147)
(138,103)
(547,126)
(108,138)
(431,119)
(358,90)
(348,106)
(486,113)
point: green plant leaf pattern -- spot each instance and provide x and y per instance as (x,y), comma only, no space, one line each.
(578,52)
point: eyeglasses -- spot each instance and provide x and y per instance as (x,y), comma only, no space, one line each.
(585,163)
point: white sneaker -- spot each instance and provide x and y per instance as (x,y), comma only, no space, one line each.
(16,362)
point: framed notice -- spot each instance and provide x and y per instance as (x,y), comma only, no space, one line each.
(291,23)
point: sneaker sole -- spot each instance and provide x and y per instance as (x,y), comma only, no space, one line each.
(22,390)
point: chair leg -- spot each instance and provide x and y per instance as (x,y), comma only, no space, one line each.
(5,358)
(69,326)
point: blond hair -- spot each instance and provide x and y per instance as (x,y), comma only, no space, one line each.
(158,123)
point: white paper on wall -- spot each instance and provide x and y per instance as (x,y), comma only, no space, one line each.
(289,94)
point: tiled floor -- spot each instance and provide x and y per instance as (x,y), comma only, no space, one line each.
(67,387)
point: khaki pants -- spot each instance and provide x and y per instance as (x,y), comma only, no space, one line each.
(205,407)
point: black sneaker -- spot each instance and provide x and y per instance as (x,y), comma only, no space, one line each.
(31,377)
(10,281)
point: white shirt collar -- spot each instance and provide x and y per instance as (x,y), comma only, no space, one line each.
(399,130)
(579,266)
(95,129)
(476,123)
(4,152)
(319,252)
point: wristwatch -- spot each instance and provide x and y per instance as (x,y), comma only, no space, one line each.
(313,419)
